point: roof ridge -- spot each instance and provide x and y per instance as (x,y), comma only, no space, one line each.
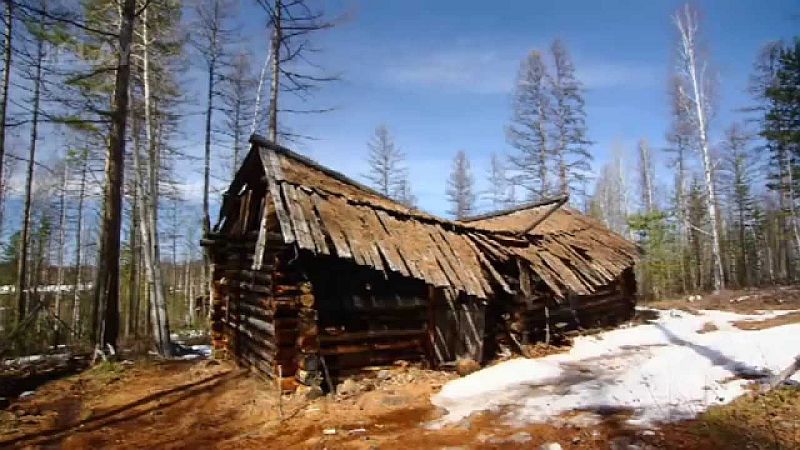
(513,209)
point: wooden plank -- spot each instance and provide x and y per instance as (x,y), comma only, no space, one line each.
(447,259)
(417,245)
(398,231)
(351,231)
(304,201)
(371,234)
(565,273)
(463,256)
(280,212)
(384,244)
(300,227)
(274,193)
(449,267)
(261,242)
(331,226)
(490,268)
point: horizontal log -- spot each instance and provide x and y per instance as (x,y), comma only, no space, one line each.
(254,276)
(351,364)
(369,335)
(351,348)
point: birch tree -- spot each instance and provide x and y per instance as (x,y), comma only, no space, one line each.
(461,188)
(646,176)
(694,90)
(156,25)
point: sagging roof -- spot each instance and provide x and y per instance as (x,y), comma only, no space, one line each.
(327,213)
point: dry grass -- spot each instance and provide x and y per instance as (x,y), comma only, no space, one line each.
(757,421)
(786,319)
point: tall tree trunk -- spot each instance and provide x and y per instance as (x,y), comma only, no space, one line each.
(149,224)
(276,70)
(792,250)
(8,22)
(688,28)
(212,75)
(106,289)
(133,276)
(76,290)
(260,89)
(62,225)
(22,265)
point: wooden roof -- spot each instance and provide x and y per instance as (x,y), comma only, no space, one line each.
(327,213)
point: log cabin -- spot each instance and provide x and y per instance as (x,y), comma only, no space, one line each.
(315,276)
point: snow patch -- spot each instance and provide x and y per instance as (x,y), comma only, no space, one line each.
(657,372)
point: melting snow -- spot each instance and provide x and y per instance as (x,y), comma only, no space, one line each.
(661,371)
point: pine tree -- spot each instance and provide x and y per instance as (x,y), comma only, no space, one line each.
(737,174)
(781,129)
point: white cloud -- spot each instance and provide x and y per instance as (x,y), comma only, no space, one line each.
(474,71)
(493,71)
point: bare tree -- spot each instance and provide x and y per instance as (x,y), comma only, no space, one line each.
(237,98)
(528,132)
(404,194)
(387,171)
(461,188)
(214,31)
(498,193)
(292,22)
(570,145)
(646,176)
(694,90)
(609,202)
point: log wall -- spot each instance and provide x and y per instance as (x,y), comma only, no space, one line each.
(538,317)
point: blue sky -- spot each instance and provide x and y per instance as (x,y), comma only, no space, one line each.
(440,74)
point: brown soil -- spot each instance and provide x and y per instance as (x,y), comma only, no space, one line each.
(206,404)
(792,317)
(741,301)
(708,327)
(202,404)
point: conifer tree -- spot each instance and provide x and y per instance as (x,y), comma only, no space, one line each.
(571,153)
(461,188)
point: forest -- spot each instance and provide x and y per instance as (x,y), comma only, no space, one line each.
(100,225)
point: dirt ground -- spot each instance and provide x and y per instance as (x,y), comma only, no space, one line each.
(210,404)
(742,301)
